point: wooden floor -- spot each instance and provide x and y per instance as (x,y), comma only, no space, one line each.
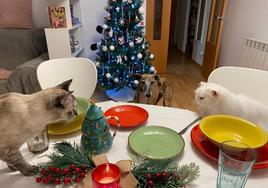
(183,75)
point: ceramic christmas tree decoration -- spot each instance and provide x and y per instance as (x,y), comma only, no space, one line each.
(96,136)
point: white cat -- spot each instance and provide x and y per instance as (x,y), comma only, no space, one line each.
(214,99)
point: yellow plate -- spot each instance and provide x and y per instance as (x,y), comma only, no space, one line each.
(220,128)
(66,127)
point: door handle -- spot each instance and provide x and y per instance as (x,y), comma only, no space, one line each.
(218,17)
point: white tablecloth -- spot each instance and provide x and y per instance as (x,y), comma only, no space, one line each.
(173,118)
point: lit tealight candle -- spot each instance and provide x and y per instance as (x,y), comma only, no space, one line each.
(106,175)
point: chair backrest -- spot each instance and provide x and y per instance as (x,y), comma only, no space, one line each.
(83,72)
(240,80)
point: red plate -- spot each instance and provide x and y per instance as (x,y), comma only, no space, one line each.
(129,115)
(212,151)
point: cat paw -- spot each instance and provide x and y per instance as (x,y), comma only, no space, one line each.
(12,167)
(30,171)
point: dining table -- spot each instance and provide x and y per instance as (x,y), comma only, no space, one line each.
(173,118)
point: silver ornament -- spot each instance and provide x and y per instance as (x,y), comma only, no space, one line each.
(136,82)
(141,10)
(105,26)
(112,48)
(151,56)
(108,75)
(152,69)
(131,44)
(104,48)
(117,9)
(139,56)
(116,80)
(97,64)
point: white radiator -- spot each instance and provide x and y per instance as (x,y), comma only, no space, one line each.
(254,54)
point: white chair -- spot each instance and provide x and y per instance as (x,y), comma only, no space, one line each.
(240,80)
(83,72)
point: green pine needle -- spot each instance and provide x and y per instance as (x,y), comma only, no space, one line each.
(66,154)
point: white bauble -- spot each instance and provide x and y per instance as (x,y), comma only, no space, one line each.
(105,26)
(97,64)
(108,75)
(116,80)
(131,44)
(136,82)
(151,56)
(112,48)
(104,48)
(139,55)
(141,10)
(152,69)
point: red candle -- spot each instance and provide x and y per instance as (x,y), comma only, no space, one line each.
(106,175)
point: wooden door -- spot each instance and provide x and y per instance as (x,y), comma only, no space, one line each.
(157,31)
(214,36)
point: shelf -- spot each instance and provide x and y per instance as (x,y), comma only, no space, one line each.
(76,26)
(77,52)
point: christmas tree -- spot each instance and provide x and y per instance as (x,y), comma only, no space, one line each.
(123,51)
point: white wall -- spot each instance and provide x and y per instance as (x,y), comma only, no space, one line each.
(244,18)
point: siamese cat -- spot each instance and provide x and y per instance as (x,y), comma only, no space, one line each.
(25,116)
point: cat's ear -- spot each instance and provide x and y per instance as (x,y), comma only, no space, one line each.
(202,83)
(65,85)
(136,76)
(59,100)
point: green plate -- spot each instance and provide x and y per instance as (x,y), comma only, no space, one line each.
(156,142)
(66,127)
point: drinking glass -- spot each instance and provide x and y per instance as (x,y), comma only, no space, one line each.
(106,175)
(234,165)
(39,143)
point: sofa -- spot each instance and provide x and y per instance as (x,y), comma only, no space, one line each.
(22,50)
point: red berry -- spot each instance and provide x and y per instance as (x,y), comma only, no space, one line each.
(65,170)
(72,166)
(43,171)
(148,176)
(66,180)
(49,176)
(158,174)
(77,170)
(77,180)
(172,174)
(57,170)
(56,181)
(82,175)
(164,174)
(45,180)
(38,180)
(150,183)
(51,169)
